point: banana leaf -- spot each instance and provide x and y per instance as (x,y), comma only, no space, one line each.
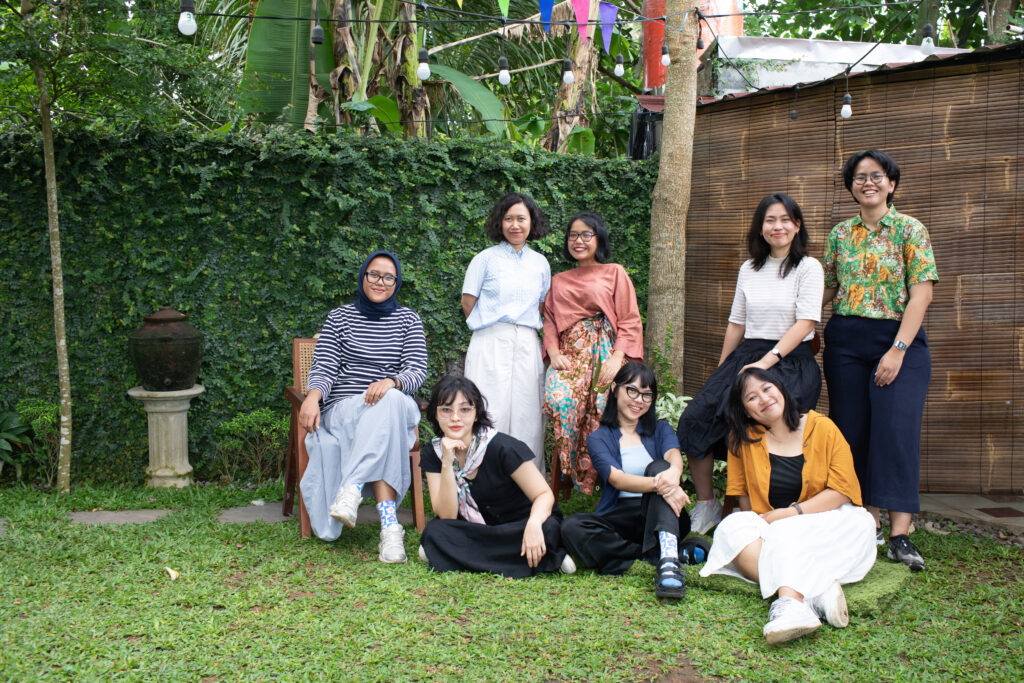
(477,96)
(277,61)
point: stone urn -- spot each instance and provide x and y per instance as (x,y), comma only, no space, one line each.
(166,351)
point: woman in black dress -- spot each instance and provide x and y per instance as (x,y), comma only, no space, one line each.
(495,513)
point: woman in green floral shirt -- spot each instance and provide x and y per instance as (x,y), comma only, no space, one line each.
(879,274)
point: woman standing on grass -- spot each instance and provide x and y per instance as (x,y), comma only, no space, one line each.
(777,302)
(591,325)
(802,531)
(641,514)
(879,274)
(494,511)
(502,297)
(370,358)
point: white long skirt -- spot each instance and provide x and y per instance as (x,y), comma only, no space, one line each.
(357,443)
(806,552)
(505,363)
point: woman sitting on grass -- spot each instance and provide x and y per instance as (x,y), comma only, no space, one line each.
(640,514)
(495,513)
(802,531)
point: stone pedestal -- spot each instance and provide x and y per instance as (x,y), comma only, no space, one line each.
(168,435)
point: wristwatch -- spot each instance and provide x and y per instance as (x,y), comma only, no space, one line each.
(900,345)
(776,351)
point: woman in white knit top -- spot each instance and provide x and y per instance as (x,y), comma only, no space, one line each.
(777,302)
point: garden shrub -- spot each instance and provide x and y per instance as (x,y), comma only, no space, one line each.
(256,239)
(251,446)
(43,417)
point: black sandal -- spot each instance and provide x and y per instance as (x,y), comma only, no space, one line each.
(668,568)
(694,550)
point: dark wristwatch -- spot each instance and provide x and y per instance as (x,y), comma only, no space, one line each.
(900,345)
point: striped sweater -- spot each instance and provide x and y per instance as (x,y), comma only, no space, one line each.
(354,351)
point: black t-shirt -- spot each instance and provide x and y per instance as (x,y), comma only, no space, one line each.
(786,480)
(496,494)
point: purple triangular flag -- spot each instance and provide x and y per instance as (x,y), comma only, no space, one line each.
(545,12)
(608,14)
(582,10)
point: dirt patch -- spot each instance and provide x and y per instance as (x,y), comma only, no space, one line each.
(295,595)
(938,524)
(682,671)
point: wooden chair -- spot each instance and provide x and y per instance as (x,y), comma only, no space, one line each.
(297,458)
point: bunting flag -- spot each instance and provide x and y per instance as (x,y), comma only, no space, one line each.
(460,3)
(502,5)
(582,9)
(545,13)
(608,14)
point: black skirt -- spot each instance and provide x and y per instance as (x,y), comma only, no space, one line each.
(702,425)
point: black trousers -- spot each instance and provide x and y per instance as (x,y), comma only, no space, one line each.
(611,542)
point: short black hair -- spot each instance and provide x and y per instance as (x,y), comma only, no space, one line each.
(595,222)
(888,164)
(444,393)
(760,250)
(632,370)
(538,220)
(736,417)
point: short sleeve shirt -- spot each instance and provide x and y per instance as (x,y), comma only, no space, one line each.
(874,270)
(509,286)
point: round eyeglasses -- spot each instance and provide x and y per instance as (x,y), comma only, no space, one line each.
(374,277)
(636,394)
(862,178)
(585,236)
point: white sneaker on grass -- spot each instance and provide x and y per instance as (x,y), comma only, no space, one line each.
(831,606)
(568,565)
(392,544)
(346,505)
(422,554)
(789,618)
(705,515)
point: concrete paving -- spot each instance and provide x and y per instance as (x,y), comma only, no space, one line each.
(270,513)
(117,516)
(1003,510)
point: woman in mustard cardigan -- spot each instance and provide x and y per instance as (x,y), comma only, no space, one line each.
(801,532)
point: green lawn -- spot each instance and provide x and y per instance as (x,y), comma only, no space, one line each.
(255,602)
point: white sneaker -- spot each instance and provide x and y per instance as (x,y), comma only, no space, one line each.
(422,553)
(346,505)
(568,566)
(789,618)
(705,515)
(391,546)
(831,606)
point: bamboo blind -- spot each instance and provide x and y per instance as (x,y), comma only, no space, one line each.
(957,132)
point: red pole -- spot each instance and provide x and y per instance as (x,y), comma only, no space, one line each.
(654,35)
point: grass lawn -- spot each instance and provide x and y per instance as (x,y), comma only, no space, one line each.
(255,602)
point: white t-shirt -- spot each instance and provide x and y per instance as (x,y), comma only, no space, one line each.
(767,305)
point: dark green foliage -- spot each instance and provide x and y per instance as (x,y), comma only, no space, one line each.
(251,446)
(43,448)
(256,240)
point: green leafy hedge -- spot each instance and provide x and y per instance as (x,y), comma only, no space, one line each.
(256,239)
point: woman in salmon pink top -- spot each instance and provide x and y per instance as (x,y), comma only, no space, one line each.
(591,326)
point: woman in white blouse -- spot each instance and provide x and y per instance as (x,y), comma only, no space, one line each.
(777,302)
(502,297)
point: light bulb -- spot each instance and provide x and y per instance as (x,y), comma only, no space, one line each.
(567,76)
(619,70)
(847,111)
(504,77)
(665,59)
(187,20)
(423,70)
(793,115)
(928,40)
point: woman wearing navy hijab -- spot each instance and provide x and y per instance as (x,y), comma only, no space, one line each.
(359,413)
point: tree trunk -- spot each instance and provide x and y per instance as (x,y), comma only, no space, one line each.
(928,13)
(345,77)
(670,201)
(413,102)
(997,16)
(63,371)
(570,108)
(317,94)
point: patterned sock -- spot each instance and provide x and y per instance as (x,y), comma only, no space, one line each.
(669,550)
(388,511)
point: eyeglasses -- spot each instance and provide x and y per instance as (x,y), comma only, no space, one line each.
(374,277)
(634,393)
(585,236)
(465,412)
(875,177)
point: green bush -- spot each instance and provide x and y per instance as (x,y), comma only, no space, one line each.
(44,447)
(13,438)
(256,239)
(252,446)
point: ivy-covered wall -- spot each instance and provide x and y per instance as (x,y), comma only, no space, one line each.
(256,240)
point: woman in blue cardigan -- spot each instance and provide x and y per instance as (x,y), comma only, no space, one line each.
(641,513)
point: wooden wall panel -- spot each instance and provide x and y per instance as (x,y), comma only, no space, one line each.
(957,132)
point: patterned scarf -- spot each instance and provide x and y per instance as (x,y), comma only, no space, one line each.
(468,509)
